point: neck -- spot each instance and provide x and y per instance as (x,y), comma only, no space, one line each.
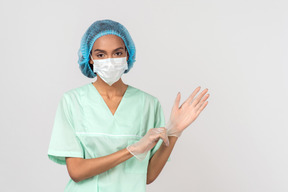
(117,89)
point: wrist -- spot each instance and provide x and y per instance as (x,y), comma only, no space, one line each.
(174,134)
(172,139)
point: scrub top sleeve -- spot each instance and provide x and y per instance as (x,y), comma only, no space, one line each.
(64,142)
(159,122)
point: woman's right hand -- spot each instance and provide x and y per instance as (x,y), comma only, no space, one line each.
(146,143)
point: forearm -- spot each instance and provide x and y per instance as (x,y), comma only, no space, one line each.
(80,169)
(159,159)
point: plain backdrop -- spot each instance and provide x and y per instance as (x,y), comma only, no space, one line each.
(236,49)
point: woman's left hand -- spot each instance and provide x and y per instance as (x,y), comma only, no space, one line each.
(181,117)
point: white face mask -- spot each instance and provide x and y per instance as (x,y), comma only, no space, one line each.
(111,69)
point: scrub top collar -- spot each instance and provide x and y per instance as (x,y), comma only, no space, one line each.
(104,103)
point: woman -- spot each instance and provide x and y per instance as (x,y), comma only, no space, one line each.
(111,135)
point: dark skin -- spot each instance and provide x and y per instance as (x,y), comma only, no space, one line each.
(112,46)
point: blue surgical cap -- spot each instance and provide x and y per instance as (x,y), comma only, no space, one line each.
(97,29)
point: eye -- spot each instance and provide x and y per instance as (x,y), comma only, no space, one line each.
(100,55)
(118,53)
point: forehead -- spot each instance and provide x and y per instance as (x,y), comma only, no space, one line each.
(108,42)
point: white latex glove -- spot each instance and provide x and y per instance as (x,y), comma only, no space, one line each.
(146,143)
(181,117)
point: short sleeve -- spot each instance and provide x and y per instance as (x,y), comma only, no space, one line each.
(63,142)
(159,122)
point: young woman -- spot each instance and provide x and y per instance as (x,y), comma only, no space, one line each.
(110,135)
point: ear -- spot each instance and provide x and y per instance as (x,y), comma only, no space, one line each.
(127,55)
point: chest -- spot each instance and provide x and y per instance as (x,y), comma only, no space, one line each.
(130,115)
(97,128)
(112,103)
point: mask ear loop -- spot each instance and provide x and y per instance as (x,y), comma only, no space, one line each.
(91,57)
(93,62)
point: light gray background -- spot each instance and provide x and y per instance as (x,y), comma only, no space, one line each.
(236,49)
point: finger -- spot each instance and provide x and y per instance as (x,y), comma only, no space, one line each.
(177,101)
(159,129)
(165,139)
(196,101)
(202,101)
(190,98)
(162,133)
(165,133)
(202,107)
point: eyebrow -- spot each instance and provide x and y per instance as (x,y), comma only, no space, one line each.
(105,51)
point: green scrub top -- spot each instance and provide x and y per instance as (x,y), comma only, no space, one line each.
(85,127)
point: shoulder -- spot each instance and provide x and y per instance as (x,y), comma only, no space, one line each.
(76,93)
(145,95)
